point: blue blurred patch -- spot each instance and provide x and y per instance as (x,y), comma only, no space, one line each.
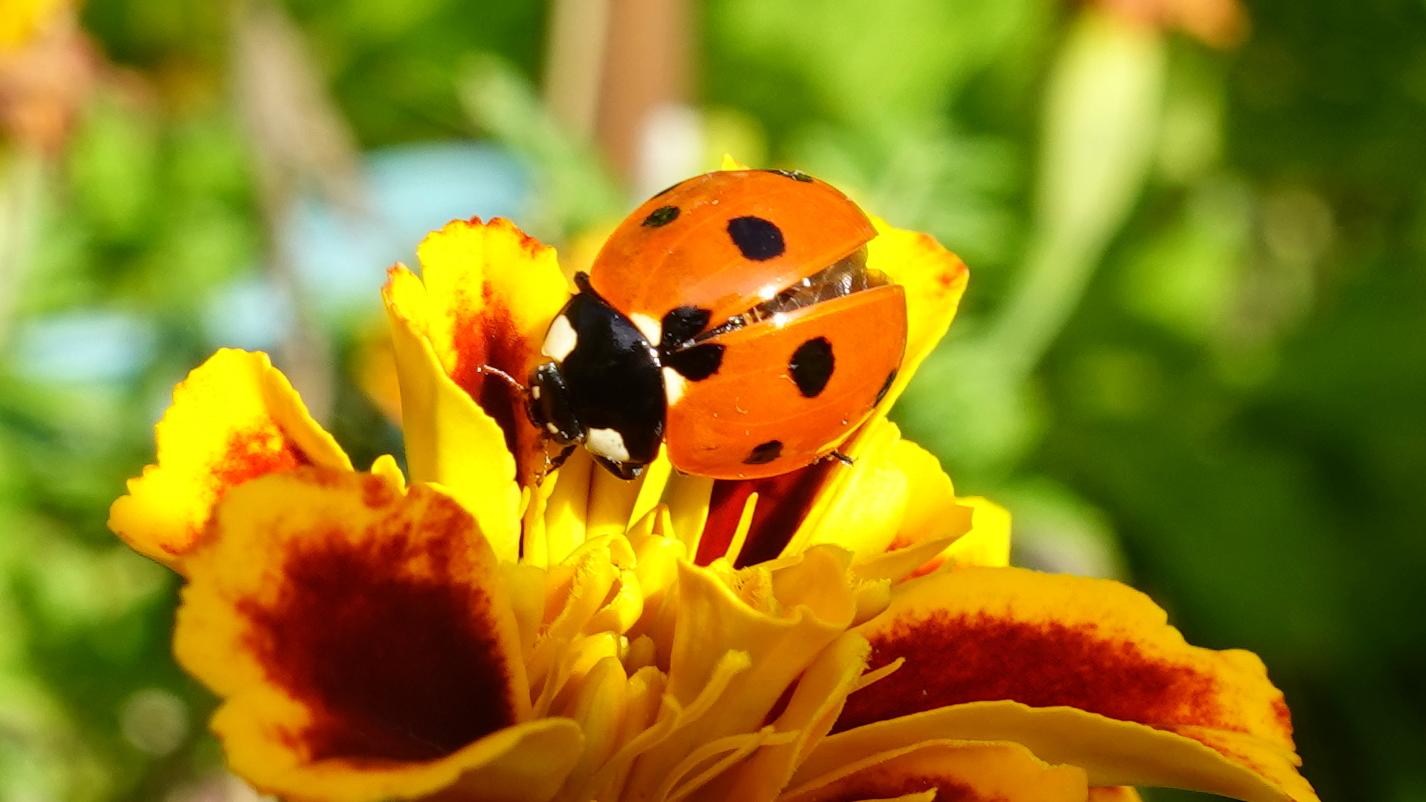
(84,345)
(342,254)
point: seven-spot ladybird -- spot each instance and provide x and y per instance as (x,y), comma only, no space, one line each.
(732,316)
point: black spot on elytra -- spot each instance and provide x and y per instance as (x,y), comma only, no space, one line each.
(811,366)
(757,238)
(661,216)
(681,324)
(885,386)
(696,363)
(795,175)
(763,453)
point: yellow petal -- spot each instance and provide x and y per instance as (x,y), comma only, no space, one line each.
(599,707)
(988,541)
(353,634)
(863,505)
(978,533)
(524,587)
(614,503)
(979,635)
(934,278)
(647,760)
(1005,772)
(688,499)
(645,719)
(374,368)
(811,709)
(450,440)
(385,466)
(491,294)
(710,759)
(932,510)
(1110,751)
(932,523)
(581,502)
(566,515)
(710,612)
(915,500)
(593,593)
(780,624)
(894,497)
(233,419)
(659,558)
(1114,793)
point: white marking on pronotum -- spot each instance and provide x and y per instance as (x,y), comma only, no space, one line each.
(535,392)
(673,385)
(560,340)
(553,429)
(607,443)
(647,326)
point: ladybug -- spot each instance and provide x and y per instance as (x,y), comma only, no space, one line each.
(731,316)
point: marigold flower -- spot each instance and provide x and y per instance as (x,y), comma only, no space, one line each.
(836,633)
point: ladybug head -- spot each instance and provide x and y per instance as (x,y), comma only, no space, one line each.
(549,405)
(600,386)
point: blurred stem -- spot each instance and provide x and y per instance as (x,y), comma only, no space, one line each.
(1102,110)
(648,66)
(578,39)
(614,67)
(299,142)
(22,173)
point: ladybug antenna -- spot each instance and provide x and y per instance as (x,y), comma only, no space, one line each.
(491,370)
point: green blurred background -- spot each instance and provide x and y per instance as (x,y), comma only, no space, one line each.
(1193,354)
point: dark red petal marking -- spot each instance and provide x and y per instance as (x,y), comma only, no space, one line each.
(250,454)
(489,337)
(783,502)
(392,667)
(952,659)
(1282,716)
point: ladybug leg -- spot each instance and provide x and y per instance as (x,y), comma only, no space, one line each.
(553,464)
(558,460)
(491,370)
(840,457)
